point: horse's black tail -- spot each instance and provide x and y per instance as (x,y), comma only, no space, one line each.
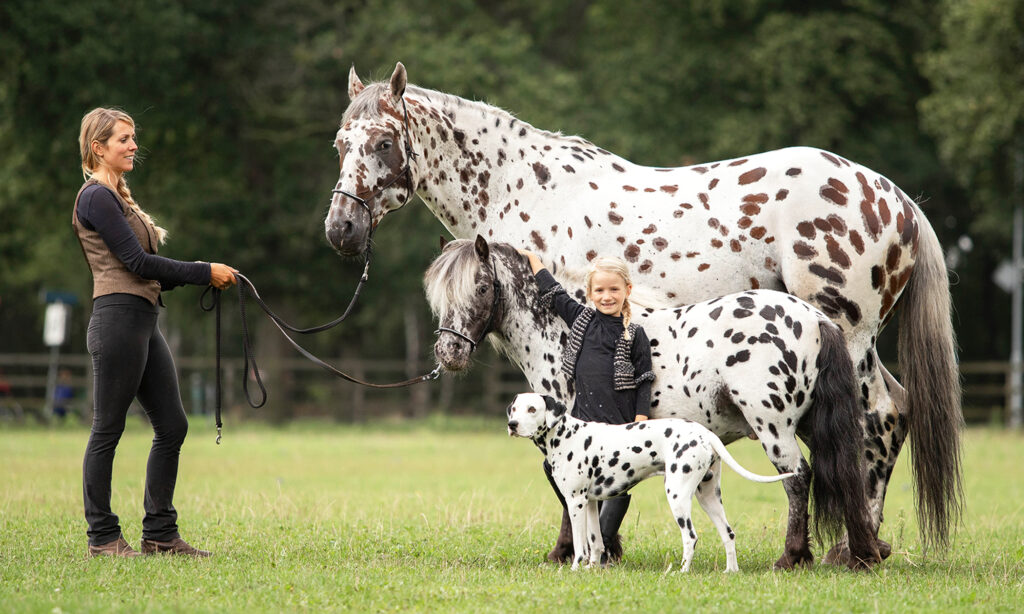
(837,450)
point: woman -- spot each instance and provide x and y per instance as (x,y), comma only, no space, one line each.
(130,356)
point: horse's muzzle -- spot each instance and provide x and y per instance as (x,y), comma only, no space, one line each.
(452,353)
(346,236)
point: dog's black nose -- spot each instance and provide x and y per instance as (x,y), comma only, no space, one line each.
(512,425)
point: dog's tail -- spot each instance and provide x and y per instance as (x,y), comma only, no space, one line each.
(720,450)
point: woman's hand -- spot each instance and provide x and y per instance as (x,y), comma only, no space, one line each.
(535,263)
(222,276)
(640,418)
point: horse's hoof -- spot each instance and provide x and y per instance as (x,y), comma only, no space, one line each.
(840,553)
(790,560)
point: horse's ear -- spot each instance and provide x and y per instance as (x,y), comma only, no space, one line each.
(398,82)
(482,249)
(354,84)
(443,242)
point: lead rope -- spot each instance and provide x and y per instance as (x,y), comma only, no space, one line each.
(244,286)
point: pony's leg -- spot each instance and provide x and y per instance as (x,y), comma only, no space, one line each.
(709,496)
(885,430)
(786,457)
(578,516)
(595,544)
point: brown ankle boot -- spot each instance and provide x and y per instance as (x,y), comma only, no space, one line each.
(118,547)
(175,546)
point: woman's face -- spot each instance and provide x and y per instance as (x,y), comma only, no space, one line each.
(608,291)
(118,153)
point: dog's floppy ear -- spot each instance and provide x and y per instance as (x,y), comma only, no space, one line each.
(553,406)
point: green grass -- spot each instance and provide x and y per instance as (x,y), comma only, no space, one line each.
(402,518)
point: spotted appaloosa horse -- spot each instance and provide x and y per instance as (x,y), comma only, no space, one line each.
(759,362)
(801,220)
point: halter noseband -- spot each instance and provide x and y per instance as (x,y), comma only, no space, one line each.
(406,172)
(496,285)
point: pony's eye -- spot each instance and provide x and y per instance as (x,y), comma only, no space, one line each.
(384,145)
(481,290)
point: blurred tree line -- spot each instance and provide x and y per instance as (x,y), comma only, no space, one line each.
(237,102)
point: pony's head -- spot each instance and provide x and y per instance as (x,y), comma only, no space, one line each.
(465,295)
(375,161)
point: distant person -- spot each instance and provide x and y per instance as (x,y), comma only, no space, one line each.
(63,393)
(129,354)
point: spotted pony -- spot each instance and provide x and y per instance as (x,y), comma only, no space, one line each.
(759,363)
(799,220)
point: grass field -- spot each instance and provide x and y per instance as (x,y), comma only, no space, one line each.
(452,516)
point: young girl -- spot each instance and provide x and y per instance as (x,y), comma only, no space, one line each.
(609,359)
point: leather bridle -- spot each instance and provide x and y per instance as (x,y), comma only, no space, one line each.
(406,172)
(495,303)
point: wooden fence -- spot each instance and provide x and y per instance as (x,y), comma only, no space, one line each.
(299,389)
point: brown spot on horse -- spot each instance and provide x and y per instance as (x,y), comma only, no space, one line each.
(753,175)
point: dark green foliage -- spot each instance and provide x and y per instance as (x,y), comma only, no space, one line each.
(237,103)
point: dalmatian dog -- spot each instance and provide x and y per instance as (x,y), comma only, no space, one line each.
(592,461)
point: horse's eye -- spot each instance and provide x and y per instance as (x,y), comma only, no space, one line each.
(384,145)
(481,290)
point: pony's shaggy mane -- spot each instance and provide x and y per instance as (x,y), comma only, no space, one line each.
(450,281)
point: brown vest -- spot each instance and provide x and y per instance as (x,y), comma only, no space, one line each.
(109,274)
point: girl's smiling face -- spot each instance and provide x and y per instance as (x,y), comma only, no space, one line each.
(608,292)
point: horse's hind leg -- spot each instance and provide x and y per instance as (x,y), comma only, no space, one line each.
(885,430)
(709,495)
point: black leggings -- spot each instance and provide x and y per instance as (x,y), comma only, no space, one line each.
(130,359)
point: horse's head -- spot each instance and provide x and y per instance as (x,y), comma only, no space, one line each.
(464,293)
(375,158)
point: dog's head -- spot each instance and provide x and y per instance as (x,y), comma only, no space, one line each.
(530,414)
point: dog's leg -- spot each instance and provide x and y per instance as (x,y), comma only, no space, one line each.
(562,552)
(595,544)
(577,506)
(709,495)
(680,488)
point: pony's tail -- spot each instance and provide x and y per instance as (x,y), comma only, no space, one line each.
(837,450)
(931,377)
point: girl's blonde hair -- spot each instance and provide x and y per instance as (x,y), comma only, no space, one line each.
(98,126)
(616,266)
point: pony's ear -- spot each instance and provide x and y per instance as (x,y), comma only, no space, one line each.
(354,84)
(443,241)
(482,249)
(398,82)
(554,407)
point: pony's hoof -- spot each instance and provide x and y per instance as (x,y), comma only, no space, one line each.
(560,555)
(791,560)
